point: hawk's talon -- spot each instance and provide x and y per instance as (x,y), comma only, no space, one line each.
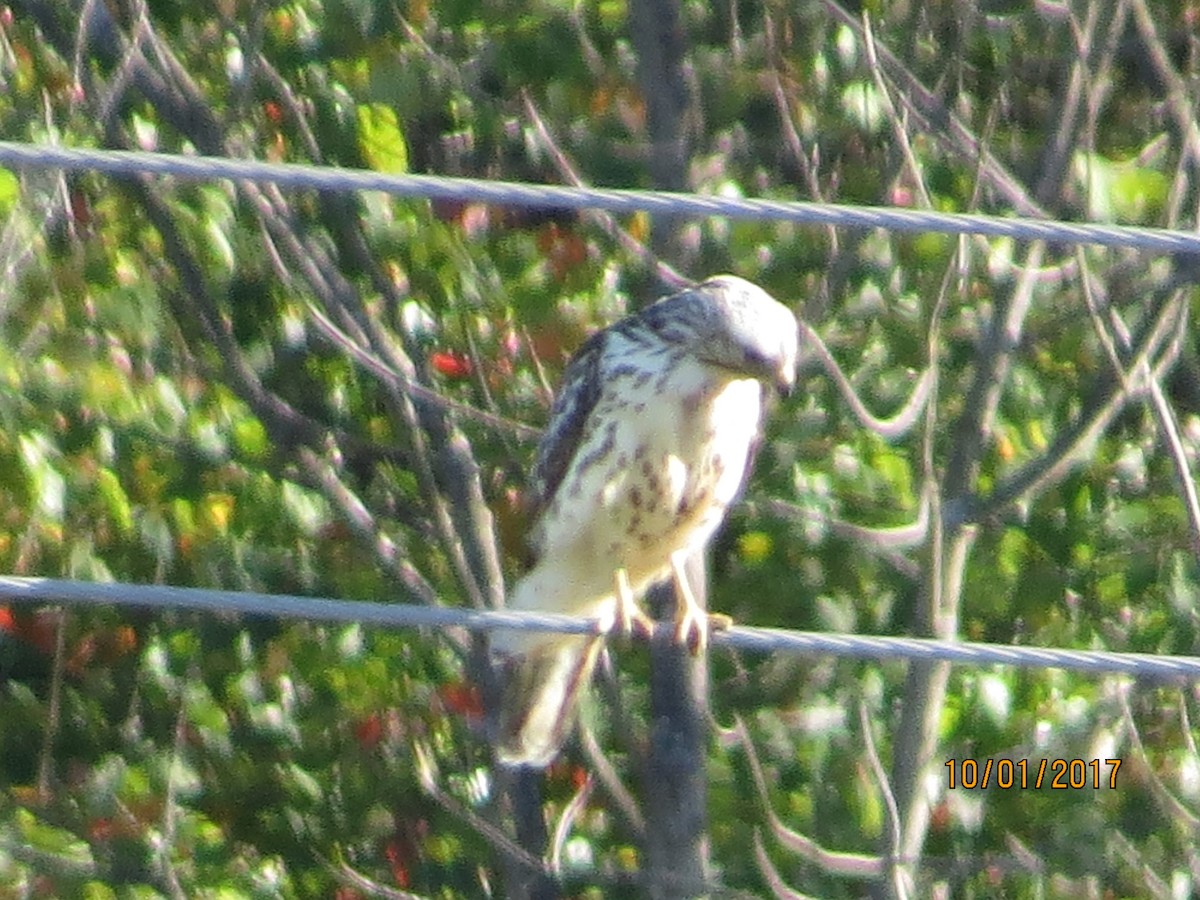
(692,622)
(691,630)
(639,625)
(631,618)
(694,631)
(719,622)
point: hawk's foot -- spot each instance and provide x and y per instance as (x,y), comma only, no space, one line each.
(692,623)
(719,622)
(691,629)
(631,618)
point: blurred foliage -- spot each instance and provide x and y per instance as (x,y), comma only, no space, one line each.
(184,755)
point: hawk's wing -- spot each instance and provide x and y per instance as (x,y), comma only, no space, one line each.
(581,386)
(576,398)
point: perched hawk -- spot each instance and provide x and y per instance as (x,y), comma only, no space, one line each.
(649,442)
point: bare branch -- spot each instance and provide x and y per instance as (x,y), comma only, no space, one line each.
(1180,816)
(563,829)
(850,865)
(426,769)
(1181,105)
(321,475)
(1107,401)
(766,868)
(898,129)
(889,429)
(351,877)
(612,784)
(933,117)
(46,778)
(902,886)
(1167,421)
(606,221)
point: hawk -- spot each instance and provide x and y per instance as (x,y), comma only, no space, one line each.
(650,440)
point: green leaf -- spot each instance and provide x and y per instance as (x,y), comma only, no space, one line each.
(380,138)
(1120,191)
(862,104)
(10,190)
(250,438)
(115,499)
(51,839)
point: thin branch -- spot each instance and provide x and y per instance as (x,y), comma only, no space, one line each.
(779,888)
(46,776)
(351,877)
(1115,332)
(891,428)
(171,812)
(850,865)
(1106,403)
(322,476)
(612,784)
(1179,815)
(889,108)
(570,813)
(1181,105)
(606,221)
(901,878)
(878,540)
(1056,157)
(991,375)
(944,125)
(426,771)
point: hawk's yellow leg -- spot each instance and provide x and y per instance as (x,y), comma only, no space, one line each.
(692,622)
(631,619)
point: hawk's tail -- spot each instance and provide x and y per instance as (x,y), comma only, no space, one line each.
(542,687)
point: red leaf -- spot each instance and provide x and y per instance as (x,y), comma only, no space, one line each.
(462,699)
(369,731)
(101,830)
(398,853)
(450,363)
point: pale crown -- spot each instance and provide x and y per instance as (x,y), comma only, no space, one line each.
(729,322)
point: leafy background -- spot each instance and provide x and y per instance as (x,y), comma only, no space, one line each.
(185,401)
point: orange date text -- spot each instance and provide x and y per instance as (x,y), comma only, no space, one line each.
(1055,774)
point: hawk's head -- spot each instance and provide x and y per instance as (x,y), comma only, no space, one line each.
(729,322)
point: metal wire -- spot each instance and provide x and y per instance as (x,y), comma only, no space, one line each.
(762,640)
(394,615)
(507,193)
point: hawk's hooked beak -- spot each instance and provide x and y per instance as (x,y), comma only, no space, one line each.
(785,380)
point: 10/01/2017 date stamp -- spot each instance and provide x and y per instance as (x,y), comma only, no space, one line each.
(1056,774)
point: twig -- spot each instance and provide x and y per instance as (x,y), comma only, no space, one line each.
(779,888)
(893,118)
(1179,814)
(1168,423)
(426,771)
(170,812)
(1183,108)
(606,221)
(46,774)
(321,475)
(351,877)
(1099,410)
(563,829)
(901,878)
(891,428)
(851,865)
(612,784)
(943,124)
